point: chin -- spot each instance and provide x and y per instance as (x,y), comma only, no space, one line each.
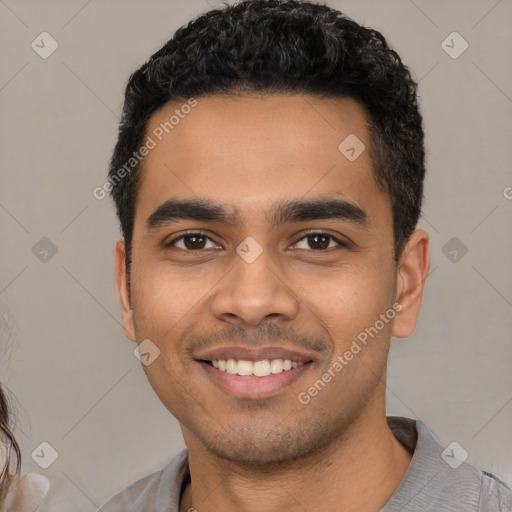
(280,446)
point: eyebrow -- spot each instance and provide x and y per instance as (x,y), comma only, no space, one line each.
(174,210)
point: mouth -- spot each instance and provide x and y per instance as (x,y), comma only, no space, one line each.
(262,368)
(263,374)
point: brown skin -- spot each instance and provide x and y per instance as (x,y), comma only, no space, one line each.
(337,452)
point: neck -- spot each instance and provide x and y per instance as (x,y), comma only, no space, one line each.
(360,472)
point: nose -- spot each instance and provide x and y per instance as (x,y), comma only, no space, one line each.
(254,291)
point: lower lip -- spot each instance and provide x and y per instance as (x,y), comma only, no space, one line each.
(251,386)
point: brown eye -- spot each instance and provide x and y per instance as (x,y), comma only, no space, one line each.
(194,242)
(191,242)
(319,241)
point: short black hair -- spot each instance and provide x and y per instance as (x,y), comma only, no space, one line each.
(282,46)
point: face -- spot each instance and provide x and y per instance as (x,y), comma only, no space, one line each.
(285,259)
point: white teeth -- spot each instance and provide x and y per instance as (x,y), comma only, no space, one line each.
(244,368)
(261,368)
(231,366)
(276,366)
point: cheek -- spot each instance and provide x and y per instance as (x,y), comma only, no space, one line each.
(350,300)
(168,306)
(164,310)
(162,300)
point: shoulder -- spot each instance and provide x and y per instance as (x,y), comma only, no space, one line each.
(440,479)
(157,491)
(26,492)
(495,495)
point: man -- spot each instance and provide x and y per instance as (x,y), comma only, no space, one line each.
(268,178)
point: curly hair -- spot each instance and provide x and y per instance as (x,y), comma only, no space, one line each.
(9,444)
(283,46)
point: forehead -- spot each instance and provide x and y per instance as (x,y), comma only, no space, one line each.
(249,151)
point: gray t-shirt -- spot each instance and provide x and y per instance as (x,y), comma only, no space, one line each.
(433,482)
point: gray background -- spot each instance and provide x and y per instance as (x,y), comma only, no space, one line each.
(77,383)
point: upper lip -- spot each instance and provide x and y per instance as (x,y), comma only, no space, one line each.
(253,354)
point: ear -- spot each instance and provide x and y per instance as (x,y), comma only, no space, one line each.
(123,293)
(412,273)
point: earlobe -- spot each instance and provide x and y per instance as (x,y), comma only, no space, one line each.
(411,276)
(123,292)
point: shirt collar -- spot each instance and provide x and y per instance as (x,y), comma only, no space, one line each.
(429,483)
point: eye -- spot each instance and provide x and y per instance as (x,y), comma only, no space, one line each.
(319,241)
(191,242)
(197,241)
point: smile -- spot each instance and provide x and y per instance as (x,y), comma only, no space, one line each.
(255,368)
(253,379)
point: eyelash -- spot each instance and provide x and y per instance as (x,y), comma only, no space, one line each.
(171,243)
